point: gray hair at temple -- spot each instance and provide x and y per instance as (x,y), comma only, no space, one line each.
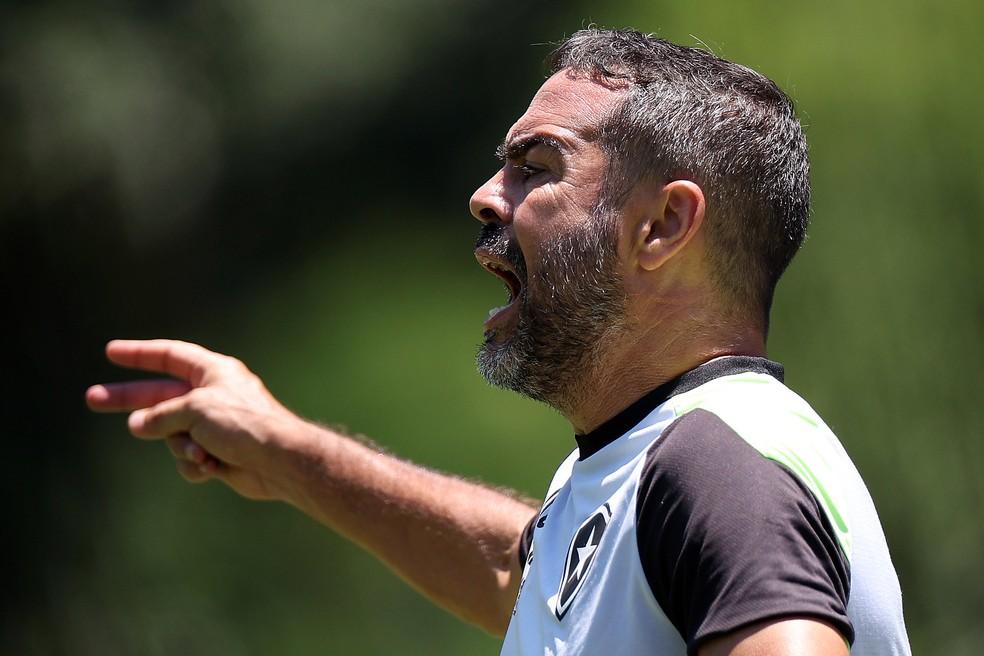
(691,115)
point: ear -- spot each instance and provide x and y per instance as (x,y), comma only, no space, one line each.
(668,219)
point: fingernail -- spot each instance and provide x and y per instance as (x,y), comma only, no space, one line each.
(193,452)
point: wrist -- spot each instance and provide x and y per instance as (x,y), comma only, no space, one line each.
(299,460)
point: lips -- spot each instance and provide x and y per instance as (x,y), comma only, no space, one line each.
(505,272)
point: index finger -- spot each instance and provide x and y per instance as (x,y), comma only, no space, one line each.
(182,360)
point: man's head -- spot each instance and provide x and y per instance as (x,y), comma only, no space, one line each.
(690,115)
(629,127)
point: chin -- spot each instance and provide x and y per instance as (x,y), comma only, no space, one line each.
(507,365)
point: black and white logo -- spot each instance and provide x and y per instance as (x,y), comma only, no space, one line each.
(580,555)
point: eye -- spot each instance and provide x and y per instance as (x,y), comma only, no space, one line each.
(527,170)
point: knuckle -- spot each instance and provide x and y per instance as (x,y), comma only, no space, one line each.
(178,446)
(234,365)
(239,370)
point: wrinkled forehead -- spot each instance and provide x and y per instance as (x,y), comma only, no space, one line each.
(569,103)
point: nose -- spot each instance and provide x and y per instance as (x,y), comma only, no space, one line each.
(488,204)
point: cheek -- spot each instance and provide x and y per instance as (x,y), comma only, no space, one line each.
(552,220)
(551,209)
(535,223)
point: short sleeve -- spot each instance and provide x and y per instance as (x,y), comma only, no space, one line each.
(728,538)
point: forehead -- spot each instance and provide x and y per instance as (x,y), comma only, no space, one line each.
(566,107)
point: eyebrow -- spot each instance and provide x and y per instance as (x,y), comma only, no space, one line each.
(512,149)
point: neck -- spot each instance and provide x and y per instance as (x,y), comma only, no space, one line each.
(641,360)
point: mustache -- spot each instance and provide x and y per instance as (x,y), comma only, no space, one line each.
(495,239)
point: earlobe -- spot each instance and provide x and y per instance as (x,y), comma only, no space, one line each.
(672,219)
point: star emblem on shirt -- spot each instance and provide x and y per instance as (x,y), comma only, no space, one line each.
(584,553)
(580,555)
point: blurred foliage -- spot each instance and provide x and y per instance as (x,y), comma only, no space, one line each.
(287,182)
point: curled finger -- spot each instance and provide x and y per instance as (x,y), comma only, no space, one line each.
(184,448)
(191,472)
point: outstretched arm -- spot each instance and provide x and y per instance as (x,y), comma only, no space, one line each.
(453,540)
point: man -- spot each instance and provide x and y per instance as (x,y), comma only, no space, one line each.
(650,198)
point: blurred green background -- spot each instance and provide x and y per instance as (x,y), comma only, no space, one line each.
(287,181)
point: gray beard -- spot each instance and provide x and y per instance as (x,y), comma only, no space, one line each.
(569,313)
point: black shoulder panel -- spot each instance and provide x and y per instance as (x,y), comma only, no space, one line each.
(728,538)
(526,537)
(526,541)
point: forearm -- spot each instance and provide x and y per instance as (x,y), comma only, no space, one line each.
(453,540)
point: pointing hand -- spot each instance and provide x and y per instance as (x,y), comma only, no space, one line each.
(215,415)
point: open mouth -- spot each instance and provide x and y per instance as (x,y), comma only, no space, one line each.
(504,272)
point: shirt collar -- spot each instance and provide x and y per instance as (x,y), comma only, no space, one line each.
(590,443)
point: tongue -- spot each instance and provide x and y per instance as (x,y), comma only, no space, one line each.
(498,314)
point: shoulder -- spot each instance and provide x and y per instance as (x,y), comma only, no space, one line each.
(782,428)
(729,537)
